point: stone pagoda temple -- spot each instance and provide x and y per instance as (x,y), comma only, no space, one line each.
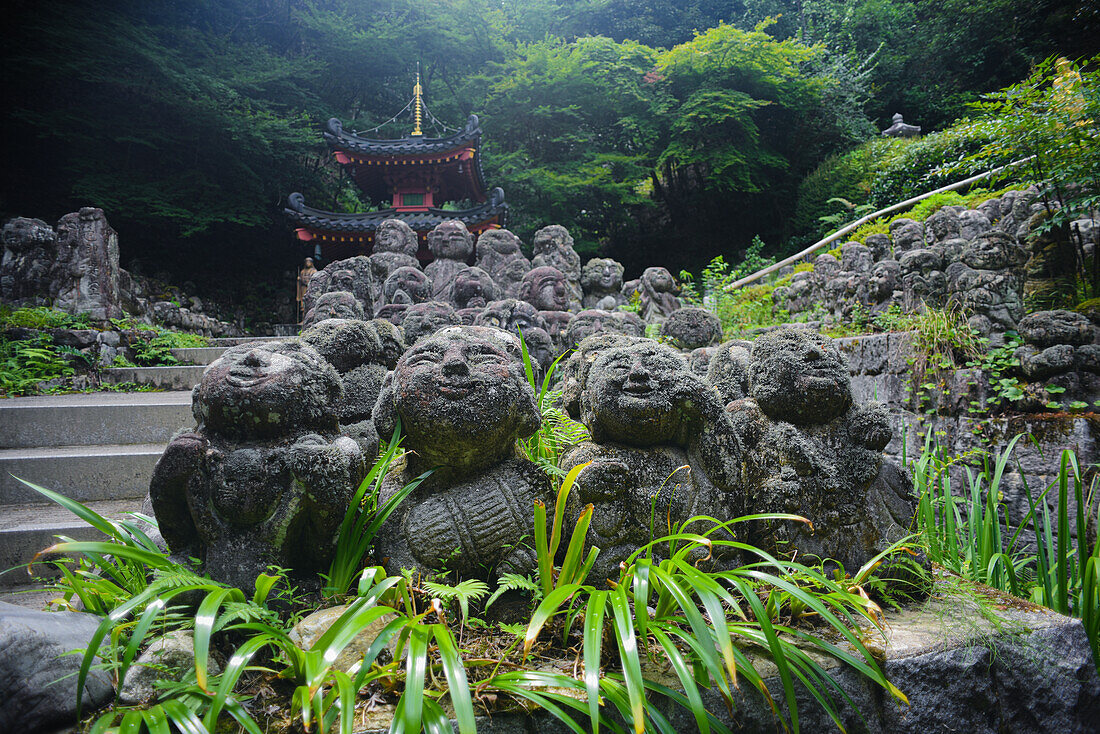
(415,175)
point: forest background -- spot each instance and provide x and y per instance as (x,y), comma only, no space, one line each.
(657,132)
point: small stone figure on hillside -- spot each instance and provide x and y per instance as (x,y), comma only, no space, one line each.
(662,449)
(499,254)
(264,478)
(691,328)
(602,280)
(545,288)
(452,245)
(811,452)
(899,129)
(553,247)
(353,275)
(463,400)
(658,295)
(989,281)
(334,305)
(883,287)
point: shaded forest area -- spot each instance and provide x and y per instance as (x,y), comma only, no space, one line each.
(656,131)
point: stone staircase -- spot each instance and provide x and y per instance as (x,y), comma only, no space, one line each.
(97,448)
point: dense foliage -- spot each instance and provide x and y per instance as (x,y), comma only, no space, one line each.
(632,124)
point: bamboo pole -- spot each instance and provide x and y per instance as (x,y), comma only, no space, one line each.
(863,220)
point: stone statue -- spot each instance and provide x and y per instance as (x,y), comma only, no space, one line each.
(728,370)
(809,451)
(406,286)
(602,280)
(395,246)
(658,295)
(27,269)
(304,275)
(595,321)
(883,286)
(545,288)
(87,269)
(901,130)
(353,275)
(691,328)
(499,254)
(463,401)
(557,325)
(334,305)
(472,288)
(356,349)
(424,319)
(521,317)
(662,449)
(989,281)
(452,245)
(264,478)
(553,247)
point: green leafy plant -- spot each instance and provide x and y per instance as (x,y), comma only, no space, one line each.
(27,362)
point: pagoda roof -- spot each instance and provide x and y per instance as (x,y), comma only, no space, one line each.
(337,137)
(494,210)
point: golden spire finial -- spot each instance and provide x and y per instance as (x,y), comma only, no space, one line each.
(417,114)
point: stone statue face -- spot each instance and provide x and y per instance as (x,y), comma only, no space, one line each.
(658,280)
(630,391)
(799,376)
(424,319)
(266,389)
(500,241)
(451,241)
(393,235)
(309,262)
(335,305)
(545,289)
(551,238)
(407,285)
(342,280)
(473,288)
(462,395)
(884,279)
(603,275)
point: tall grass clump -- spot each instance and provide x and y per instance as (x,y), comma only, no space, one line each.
(967,530)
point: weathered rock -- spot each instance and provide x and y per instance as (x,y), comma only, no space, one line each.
(87,269)
(553,247)
(167,658)
(855,257)
(602,281)
(728,371)
(1037,364)
(1048,328)
(37,677)
(691,328)
(306,633)
(264,478)
(463,400)
(27,269)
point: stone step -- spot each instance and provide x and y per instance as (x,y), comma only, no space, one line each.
(29,596)
(198,355)
(232,341)
(27,529)
(178,377)
(93,418)
(84,473)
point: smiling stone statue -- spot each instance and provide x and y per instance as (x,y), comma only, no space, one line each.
(263,479)
(463,401)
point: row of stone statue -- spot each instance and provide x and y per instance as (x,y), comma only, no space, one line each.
(390,281)
(971,258)
(286,430)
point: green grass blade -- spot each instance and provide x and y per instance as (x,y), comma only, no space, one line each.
(182,717)
(559,506)
(457,684)
(571,565)
(687,681)
(204,627)
(628,653)
(593,644)
(416,662)
(542,550)
(232,673)
(546,609)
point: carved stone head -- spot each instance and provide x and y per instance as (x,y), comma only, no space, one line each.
(545,289)
(658,280)
(407,285)
(884,280)
(462,397)
(393,235)
(602,275)
(267,389)
(499,242)
(424,319)
(334,305)
(799,376)
(552,238)
(473,287)
(451,240)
